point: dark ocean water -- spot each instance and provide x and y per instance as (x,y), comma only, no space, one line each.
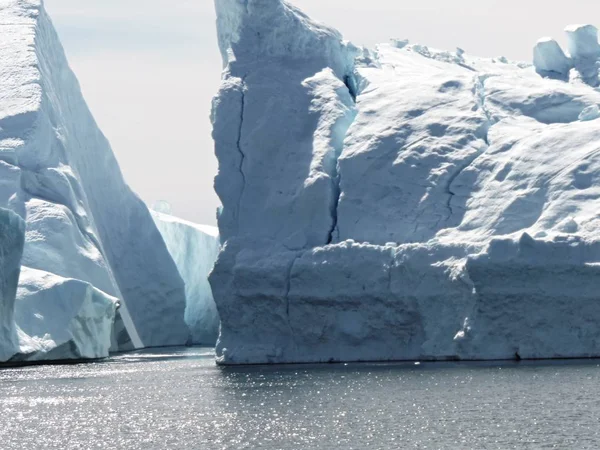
(179,399)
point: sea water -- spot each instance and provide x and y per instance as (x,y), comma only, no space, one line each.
(179,399)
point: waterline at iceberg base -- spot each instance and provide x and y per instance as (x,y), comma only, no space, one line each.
(402,202)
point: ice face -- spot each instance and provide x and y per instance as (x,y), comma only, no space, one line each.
(549,58)
(194,249)
(422,204)
(585,51)
(583,41)
(12,239)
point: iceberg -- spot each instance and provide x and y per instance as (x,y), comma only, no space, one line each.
(88,238)
(194,249)
(402,202)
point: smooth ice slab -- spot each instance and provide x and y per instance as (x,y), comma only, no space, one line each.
(549,57)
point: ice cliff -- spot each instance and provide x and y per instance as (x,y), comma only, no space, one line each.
(194,249)
(402,202)
(88,243)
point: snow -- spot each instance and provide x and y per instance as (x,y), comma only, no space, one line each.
(83,223)
(194,249)
(410,203)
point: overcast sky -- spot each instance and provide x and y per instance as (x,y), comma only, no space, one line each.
(149,68)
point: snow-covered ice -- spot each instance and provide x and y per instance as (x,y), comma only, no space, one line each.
(195,249)
(86,231)
(402,202)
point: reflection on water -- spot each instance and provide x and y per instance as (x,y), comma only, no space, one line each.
(178,399)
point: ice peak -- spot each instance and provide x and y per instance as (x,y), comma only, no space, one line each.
(251,30)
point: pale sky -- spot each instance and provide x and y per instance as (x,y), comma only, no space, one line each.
(149,68)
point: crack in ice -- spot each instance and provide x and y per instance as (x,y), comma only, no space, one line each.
(480,100)
(239,147)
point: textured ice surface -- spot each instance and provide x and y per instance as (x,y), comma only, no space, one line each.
(58,172)
(403,202)
(195,249)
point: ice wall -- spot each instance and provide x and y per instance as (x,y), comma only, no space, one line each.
(194,249)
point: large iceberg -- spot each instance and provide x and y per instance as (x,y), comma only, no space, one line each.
(90,242)
(404,202)
(194,249)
